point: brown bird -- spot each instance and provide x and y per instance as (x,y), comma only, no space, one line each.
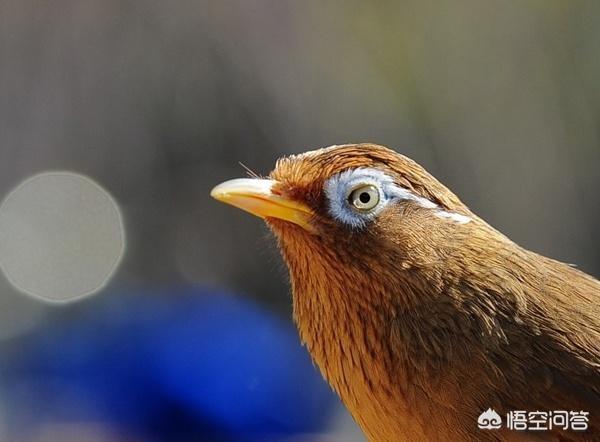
(421,315)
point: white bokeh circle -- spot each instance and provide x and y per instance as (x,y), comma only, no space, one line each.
(61,236)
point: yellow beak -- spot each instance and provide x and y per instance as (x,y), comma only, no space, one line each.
(256,196)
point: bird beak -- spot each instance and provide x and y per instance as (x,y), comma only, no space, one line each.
(257,197)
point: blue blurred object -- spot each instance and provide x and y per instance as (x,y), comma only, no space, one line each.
(188,364)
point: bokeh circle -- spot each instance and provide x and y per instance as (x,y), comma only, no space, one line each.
(61,236)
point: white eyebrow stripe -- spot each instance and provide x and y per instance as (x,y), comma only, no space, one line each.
(456,217)
(336,186)
(405,194)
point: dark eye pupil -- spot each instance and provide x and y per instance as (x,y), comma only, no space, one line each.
(364,197)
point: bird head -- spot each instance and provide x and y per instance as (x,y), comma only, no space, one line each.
(356,208)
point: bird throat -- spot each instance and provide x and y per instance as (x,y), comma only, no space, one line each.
(347,334)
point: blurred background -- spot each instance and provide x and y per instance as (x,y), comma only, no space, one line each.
(148,104)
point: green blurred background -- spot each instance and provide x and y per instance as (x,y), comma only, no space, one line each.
(159,101)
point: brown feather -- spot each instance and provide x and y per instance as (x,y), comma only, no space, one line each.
(420,324)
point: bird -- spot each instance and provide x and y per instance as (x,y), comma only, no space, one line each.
(419,314)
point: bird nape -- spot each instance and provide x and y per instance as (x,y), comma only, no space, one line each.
(418,313)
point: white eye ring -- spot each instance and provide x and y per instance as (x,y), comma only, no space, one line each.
(364,197)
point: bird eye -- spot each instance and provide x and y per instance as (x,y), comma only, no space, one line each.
(364,198)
